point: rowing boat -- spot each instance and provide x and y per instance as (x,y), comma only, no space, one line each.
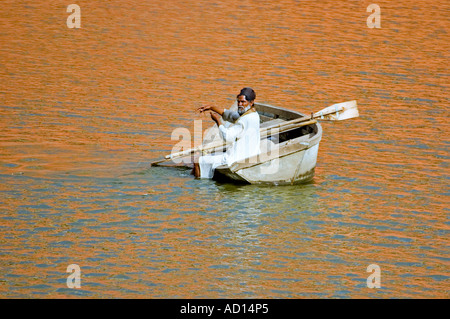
(288,152)
(288,148)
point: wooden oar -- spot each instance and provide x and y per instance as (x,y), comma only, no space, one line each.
(264,132)
(335,112)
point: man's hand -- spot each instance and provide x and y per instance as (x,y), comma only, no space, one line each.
(204,108)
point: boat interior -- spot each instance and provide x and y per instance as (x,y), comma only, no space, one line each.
(272,115)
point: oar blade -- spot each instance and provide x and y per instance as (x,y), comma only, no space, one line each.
(338,112)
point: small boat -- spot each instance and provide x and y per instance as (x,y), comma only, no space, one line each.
(288,152)
(289,146)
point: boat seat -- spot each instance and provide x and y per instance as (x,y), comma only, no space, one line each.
(266,145)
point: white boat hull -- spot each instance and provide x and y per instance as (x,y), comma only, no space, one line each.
(290,162)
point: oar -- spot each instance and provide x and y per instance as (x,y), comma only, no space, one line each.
(264,132)
(335,112)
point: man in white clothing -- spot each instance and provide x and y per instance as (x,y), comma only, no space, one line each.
(243,133)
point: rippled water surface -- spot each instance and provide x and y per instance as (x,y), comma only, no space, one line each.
(84,111)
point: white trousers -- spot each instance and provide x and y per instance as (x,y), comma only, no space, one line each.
(208,164)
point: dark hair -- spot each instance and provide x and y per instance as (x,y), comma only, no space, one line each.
(249,94)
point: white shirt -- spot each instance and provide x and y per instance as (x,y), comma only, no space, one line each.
(245,135)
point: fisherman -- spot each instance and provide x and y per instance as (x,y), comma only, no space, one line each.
(242,131)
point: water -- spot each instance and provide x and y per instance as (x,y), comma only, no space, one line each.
(84,111)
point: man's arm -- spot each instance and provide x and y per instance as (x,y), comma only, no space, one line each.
(228,134)
(230,116)
(216,118)
(213,108)
(227,115)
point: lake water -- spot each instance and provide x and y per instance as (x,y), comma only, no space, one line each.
(84,111)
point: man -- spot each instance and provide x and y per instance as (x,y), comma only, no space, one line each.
(243,133)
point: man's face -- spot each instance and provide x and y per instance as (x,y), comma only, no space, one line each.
(242,102)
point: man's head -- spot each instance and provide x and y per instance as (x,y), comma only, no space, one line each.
(245,100)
